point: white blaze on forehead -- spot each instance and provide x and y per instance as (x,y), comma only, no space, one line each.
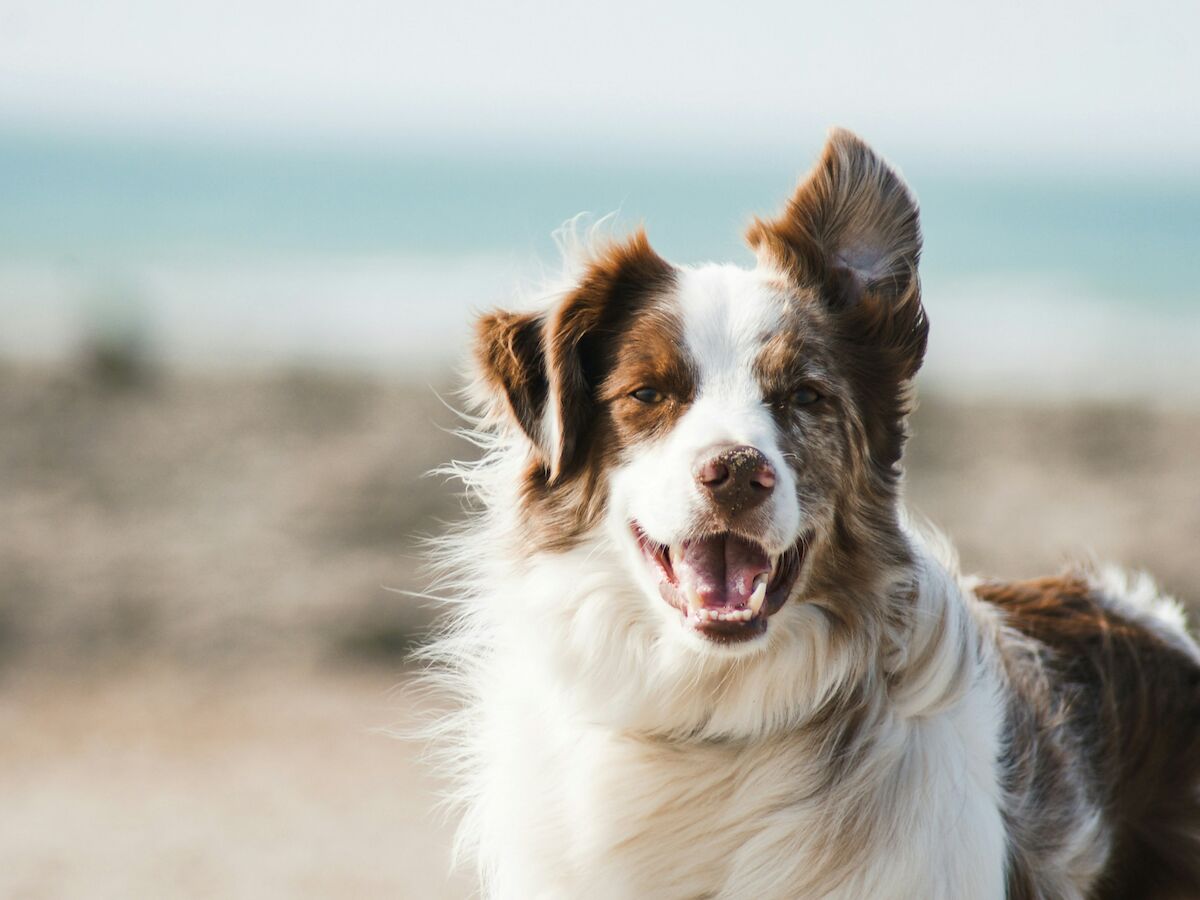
(727,314)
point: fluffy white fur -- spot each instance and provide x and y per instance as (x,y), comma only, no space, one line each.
(580,787)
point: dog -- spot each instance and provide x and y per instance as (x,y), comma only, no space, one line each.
(701,651)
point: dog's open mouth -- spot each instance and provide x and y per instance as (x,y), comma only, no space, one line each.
(725,585)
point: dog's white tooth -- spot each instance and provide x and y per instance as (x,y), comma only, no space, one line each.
(693,599)
(674,553)
(745,615)
(758,597)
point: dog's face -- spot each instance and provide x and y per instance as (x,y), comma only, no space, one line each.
(724,401)
(734,433)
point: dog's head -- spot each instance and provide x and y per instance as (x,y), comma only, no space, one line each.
(736,434)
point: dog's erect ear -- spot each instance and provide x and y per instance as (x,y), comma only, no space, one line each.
(547,366)
(851,230)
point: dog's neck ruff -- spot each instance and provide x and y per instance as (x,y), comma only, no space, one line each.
(567,708)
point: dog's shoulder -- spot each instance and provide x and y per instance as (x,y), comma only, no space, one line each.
(1107,676)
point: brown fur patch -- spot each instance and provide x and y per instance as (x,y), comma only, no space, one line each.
(650,355)
(611,335)
(1106,699)
(792,358)
(851,234)
(828,445)
(508,348)
(581,336)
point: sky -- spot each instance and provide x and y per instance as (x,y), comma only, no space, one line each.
(1068,84)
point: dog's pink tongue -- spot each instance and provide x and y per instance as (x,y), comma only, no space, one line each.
(720,570)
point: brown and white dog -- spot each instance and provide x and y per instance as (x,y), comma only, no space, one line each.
(703,654)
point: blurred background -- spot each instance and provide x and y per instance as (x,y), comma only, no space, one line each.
(240,246)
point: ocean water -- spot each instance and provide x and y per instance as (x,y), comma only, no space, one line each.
(214,256)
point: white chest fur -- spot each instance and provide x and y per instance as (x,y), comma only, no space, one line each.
(568,809)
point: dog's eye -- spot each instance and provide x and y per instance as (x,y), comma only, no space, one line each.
(647,395)
(805,396)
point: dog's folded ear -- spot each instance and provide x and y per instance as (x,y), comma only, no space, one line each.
(545,367)
(511,362)
(852,231)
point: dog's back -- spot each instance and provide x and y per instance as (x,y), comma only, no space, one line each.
(1106,704)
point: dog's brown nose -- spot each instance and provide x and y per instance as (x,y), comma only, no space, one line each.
(737,478)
